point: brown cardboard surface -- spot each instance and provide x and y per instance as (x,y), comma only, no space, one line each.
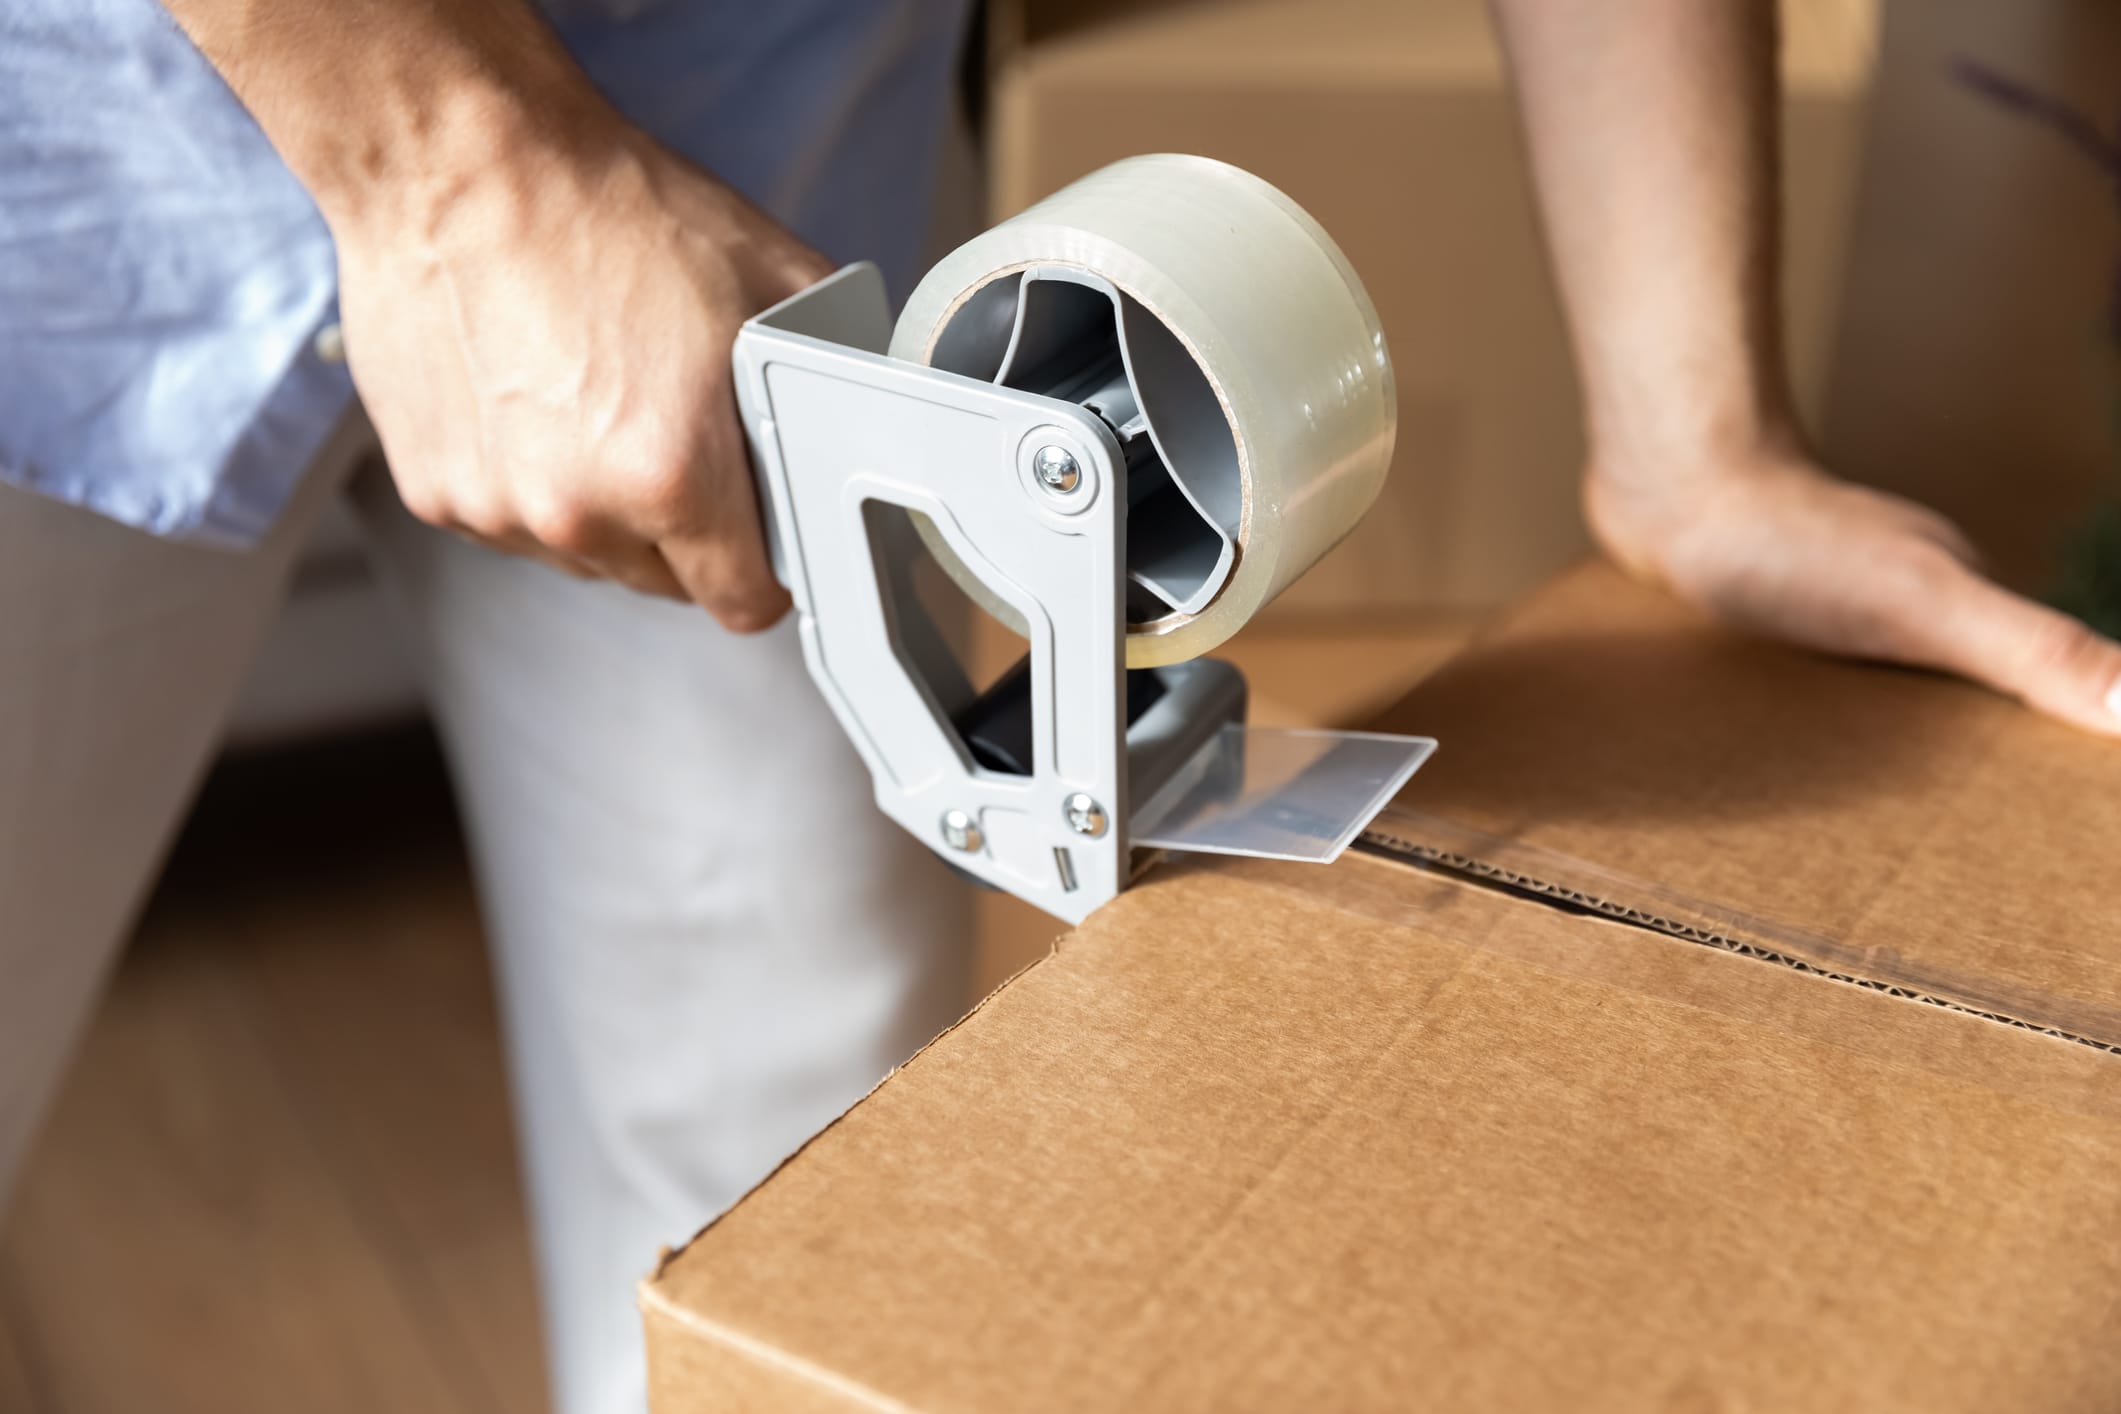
(1605,744)
(1262,1137)
(1392,123)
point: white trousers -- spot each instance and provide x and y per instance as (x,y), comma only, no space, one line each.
(706,939)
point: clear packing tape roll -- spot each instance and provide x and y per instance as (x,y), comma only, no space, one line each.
(1225,339)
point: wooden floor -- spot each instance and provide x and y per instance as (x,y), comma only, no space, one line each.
(281,1174)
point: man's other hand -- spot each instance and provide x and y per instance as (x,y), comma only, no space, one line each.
(1769,542)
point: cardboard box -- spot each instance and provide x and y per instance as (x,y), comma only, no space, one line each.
(1975,368)
(1392,123)
(1710,1026)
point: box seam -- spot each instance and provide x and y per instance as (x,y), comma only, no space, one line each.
(1532,889)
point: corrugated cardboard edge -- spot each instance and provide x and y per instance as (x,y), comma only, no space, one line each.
(772,1361)
(1544,876)
(656,1307)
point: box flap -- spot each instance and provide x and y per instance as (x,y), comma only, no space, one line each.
(1266,1136)
(1606,746)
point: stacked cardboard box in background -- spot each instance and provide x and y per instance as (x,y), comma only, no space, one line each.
(1976,364)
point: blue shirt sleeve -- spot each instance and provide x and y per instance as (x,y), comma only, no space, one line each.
(163,275)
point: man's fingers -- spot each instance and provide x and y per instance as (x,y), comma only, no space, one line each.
(2046,659)
(643,569)
(635,565)
(638,567)
(728,576)
(718,552)
(564,531)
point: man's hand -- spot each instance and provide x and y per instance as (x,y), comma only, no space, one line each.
(1769,542)
(546,358)
(1652,127)
(539,302)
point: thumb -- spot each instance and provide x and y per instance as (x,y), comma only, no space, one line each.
(2046,659)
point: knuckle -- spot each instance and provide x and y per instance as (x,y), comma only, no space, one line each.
(487,517)
(1911,572)
(561,521)
(668,495)
(2060,646)
(1923,563)
(662,492)
(655,478)
(426,504)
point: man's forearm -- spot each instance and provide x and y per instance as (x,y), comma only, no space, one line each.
(1653,137)
(375,104)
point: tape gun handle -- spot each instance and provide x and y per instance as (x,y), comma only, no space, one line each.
(848,307)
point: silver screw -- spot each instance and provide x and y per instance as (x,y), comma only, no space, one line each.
(1057,469)
(961,831)
(1085,815)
